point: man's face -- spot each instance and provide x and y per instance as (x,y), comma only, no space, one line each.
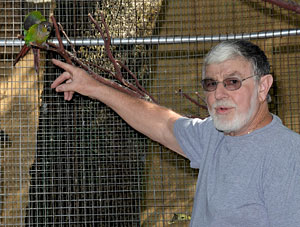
(232,111)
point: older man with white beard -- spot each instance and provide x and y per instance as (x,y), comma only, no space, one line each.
(249,163)
(236,109)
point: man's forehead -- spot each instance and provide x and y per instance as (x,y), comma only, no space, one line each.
(237,67)
(231,73)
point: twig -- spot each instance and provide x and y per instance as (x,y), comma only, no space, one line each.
(107,40)
(67,37)
(116,64)
(198,95)
(136,80)
(61,49)
(104,80)
(191,99)
(292,6)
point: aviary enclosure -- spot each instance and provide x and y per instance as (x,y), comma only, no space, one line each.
(77,163)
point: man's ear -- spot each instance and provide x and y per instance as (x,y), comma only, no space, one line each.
(265,84)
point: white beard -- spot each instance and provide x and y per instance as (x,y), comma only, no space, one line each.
(238,120)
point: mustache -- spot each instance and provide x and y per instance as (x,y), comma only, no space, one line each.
(224,103)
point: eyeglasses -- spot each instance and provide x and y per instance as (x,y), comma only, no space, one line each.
(231,84)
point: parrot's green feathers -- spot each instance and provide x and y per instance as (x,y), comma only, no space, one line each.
(34,17)
(38,33)
(36,28)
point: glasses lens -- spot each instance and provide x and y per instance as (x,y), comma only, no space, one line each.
(232,84)
(209,84)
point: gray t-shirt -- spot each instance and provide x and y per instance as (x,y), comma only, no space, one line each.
(250,180)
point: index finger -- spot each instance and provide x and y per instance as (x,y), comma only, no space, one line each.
(67,67)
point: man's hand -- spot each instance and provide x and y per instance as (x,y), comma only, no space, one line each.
(73,80)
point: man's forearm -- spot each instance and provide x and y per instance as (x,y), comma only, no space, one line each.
(152,120)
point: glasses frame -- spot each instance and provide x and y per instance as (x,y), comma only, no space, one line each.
(224,84)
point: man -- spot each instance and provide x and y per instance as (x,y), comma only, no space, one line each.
(249,173)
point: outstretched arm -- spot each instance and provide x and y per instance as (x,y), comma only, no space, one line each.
(154,121)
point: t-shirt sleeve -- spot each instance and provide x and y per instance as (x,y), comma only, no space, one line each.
(188,133)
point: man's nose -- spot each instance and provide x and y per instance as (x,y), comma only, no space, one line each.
(221,92)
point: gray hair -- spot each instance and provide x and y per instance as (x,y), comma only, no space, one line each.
(231,49)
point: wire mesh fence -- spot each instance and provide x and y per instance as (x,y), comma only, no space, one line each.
(77,163)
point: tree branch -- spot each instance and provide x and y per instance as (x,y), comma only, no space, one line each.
(292,6)
(124,86)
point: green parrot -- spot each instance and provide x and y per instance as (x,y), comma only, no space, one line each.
(36,30)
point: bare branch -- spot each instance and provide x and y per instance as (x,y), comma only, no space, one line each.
(191,99)
(67,37)
(292,6)
(123,85)
(61,49)
(116,64)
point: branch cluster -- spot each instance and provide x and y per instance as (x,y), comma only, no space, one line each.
(121,84)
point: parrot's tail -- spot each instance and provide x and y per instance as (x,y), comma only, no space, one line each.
(36,57)
(22,53)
